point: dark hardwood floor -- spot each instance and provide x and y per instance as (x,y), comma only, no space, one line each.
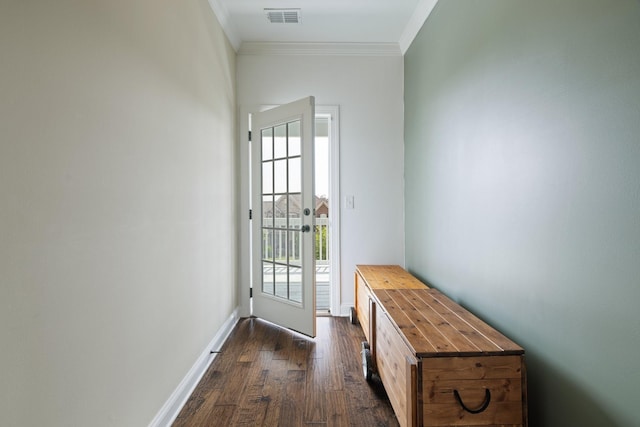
(269,376)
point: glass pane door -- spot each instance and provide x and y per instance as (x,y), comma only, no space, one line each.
(282,211)
(282,192)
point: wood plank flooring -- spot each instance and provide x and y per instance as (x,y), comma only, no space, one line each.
(269,376)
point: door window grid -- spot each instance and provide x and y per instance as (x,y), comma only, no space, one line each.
(281,195)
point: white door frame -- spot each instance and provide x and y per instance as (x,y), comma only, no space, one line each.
(244,179)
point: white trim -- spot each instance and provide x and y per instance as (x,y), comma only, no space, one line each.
(419,17)
(172,407)
(226,23)
(244,244)
(334,204)
(345,309)
(417,20)
(320,49)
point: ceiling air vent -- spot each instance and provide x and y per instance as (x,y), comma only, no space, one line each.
(283,16)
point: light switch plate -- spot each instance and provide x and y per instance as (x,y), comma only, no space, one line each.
(350,202)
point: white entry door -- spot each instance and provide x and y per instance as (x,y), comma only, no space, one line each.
(283,206)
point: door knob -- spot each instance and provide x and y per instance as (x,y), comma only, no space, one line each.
(306,228)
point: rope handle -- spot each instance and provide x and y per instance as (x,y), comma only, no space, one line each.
(485,404)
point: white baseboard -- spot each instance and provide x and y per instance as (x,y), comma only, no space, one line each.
(345,309)
(178,398)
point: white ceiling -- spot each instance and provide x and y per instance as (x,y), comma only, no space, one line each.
(324,21)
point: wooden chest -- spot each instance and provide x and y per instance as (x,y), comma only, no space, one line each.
(370,277)
(440,364)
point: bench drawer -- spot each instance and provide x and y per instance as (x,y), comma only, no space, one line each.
(489,387)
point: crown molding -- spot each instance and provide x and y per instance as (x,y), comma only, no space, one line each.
(320,49)
(224,18)
(419,17)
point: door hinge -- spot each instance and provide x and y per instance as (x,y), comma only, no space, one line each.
(250,214)
(250,292)
(249,135)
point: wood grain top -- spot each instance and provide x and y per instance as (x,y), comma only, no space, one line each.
(435,326)
(388,277)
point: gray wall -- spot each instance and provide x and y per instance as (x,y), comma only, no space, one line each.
(522,180)
(117,230)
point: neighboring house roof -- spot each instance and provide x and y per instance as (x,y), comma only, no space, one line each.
(321,206)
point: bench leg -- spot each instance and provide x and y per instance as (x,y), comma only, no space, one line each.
(353,316)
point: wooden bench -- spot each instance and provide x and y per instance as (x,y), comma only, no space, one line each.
(440,364)
(371,277)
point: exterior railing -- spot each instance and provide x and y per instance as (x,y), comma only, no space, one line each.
(275,244)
